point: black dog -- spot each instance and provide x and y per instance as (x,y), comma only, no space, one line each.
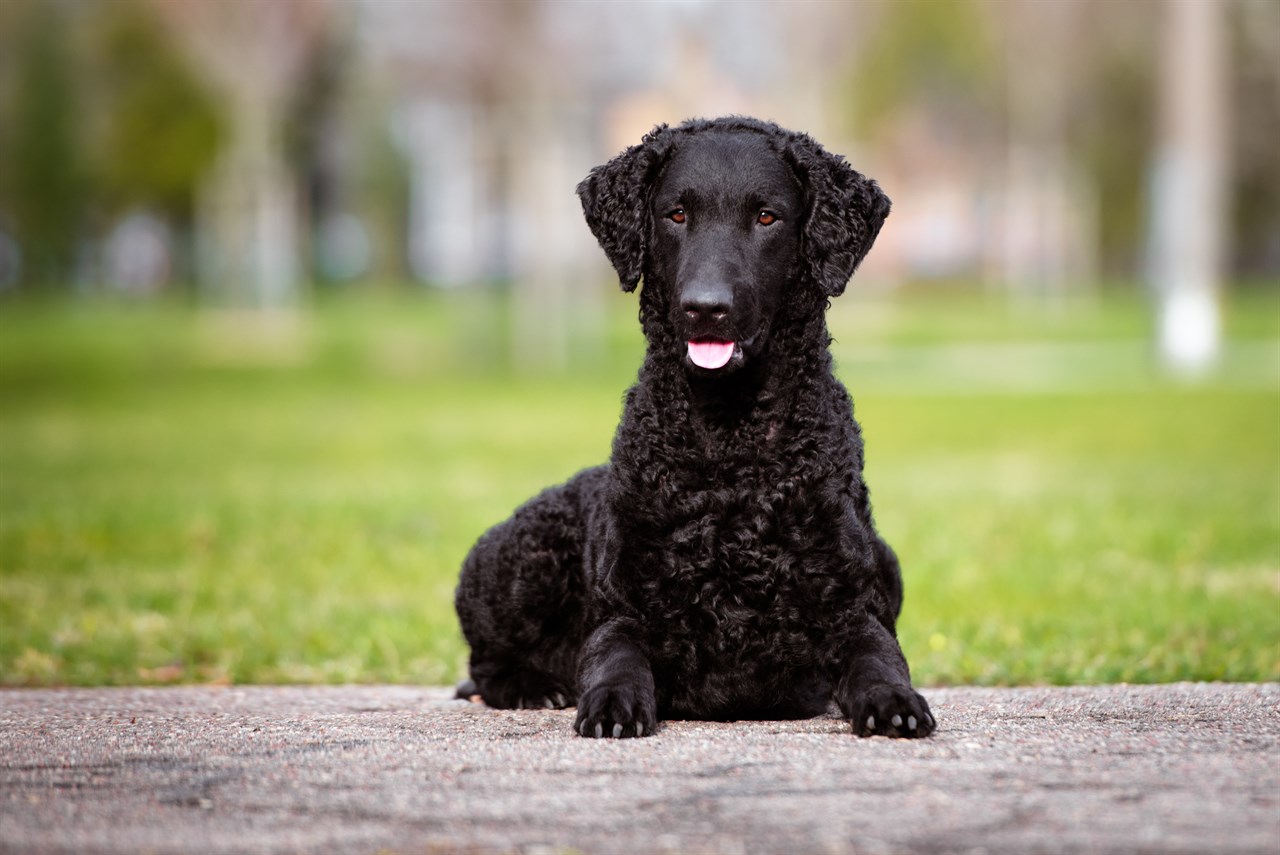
(723,565)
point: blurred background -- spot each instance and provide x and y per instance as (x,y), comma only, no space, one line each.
(296,299)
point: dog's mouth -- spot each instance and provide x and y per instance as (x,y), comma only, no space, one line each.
(714,354)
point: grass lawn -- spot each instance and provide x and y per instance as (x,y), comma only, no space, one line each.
(194,498)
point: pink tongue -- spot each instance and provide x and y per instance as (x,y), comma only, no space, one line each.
(710,354)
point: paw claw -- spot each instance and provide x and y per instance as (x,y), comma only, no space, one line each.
(899,710)
(616,712)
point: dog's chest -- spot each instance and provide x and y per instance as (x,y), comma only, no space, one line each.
(737,564)
(743,533)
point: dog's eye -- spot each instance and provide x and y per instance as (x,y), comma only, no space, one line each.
(767,218)
(676,216)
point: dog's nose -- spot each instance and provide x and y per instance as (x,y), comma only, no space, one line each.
(707,301)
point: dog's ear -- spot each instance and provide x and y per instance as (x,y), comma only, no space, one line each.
(846,211)
(615,200)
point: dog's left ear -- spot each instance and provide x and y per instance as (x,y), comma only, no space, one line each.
(846,211)
(615,200)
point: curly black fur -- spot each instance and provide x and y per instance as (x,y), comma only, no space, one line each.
(724,563)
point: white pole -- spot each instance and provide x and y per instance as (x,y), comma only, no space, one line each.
(1188,203)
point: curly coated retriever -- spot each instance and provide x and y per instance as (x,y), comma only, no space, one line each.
(723,564)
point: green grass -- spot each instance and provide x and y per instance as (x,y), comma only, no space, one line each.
(195,498)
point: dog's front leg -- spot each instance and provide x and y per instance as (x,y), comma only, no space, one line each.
(874,691)
(617,698)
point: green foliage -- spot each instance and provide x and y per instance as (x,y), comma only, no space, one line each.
(927,53)
(1254,73)
(192,498)
(99,113)
(45,178)
(1115,137)
(160,126)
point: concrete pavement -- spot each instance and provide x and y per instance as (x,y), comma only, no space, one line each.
(1191,768)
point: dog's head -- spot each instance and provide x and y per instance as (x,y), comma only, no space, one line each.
(725,217)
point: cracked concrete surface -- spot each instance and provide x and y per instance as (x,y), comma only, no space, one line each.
(1188,768)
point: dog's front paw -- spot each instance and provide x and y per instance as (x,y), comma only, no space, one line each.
(616,711)
(888,710)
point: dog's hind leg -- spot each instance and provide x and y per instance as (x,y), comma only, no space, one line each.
(519,686)
(520,605)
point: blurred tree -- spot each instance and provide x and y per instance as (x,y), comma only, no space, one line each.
(1110,95)
(384,189)
(310,136)
(1113,135)
(12,30)
(332,123)
(43,176)
(938,54)
(1110,86)
(1050,241)
(159,125)
(254,52)
(1255,100)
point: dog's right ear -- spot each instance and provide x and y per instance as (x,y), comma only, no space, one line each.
(615,200)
